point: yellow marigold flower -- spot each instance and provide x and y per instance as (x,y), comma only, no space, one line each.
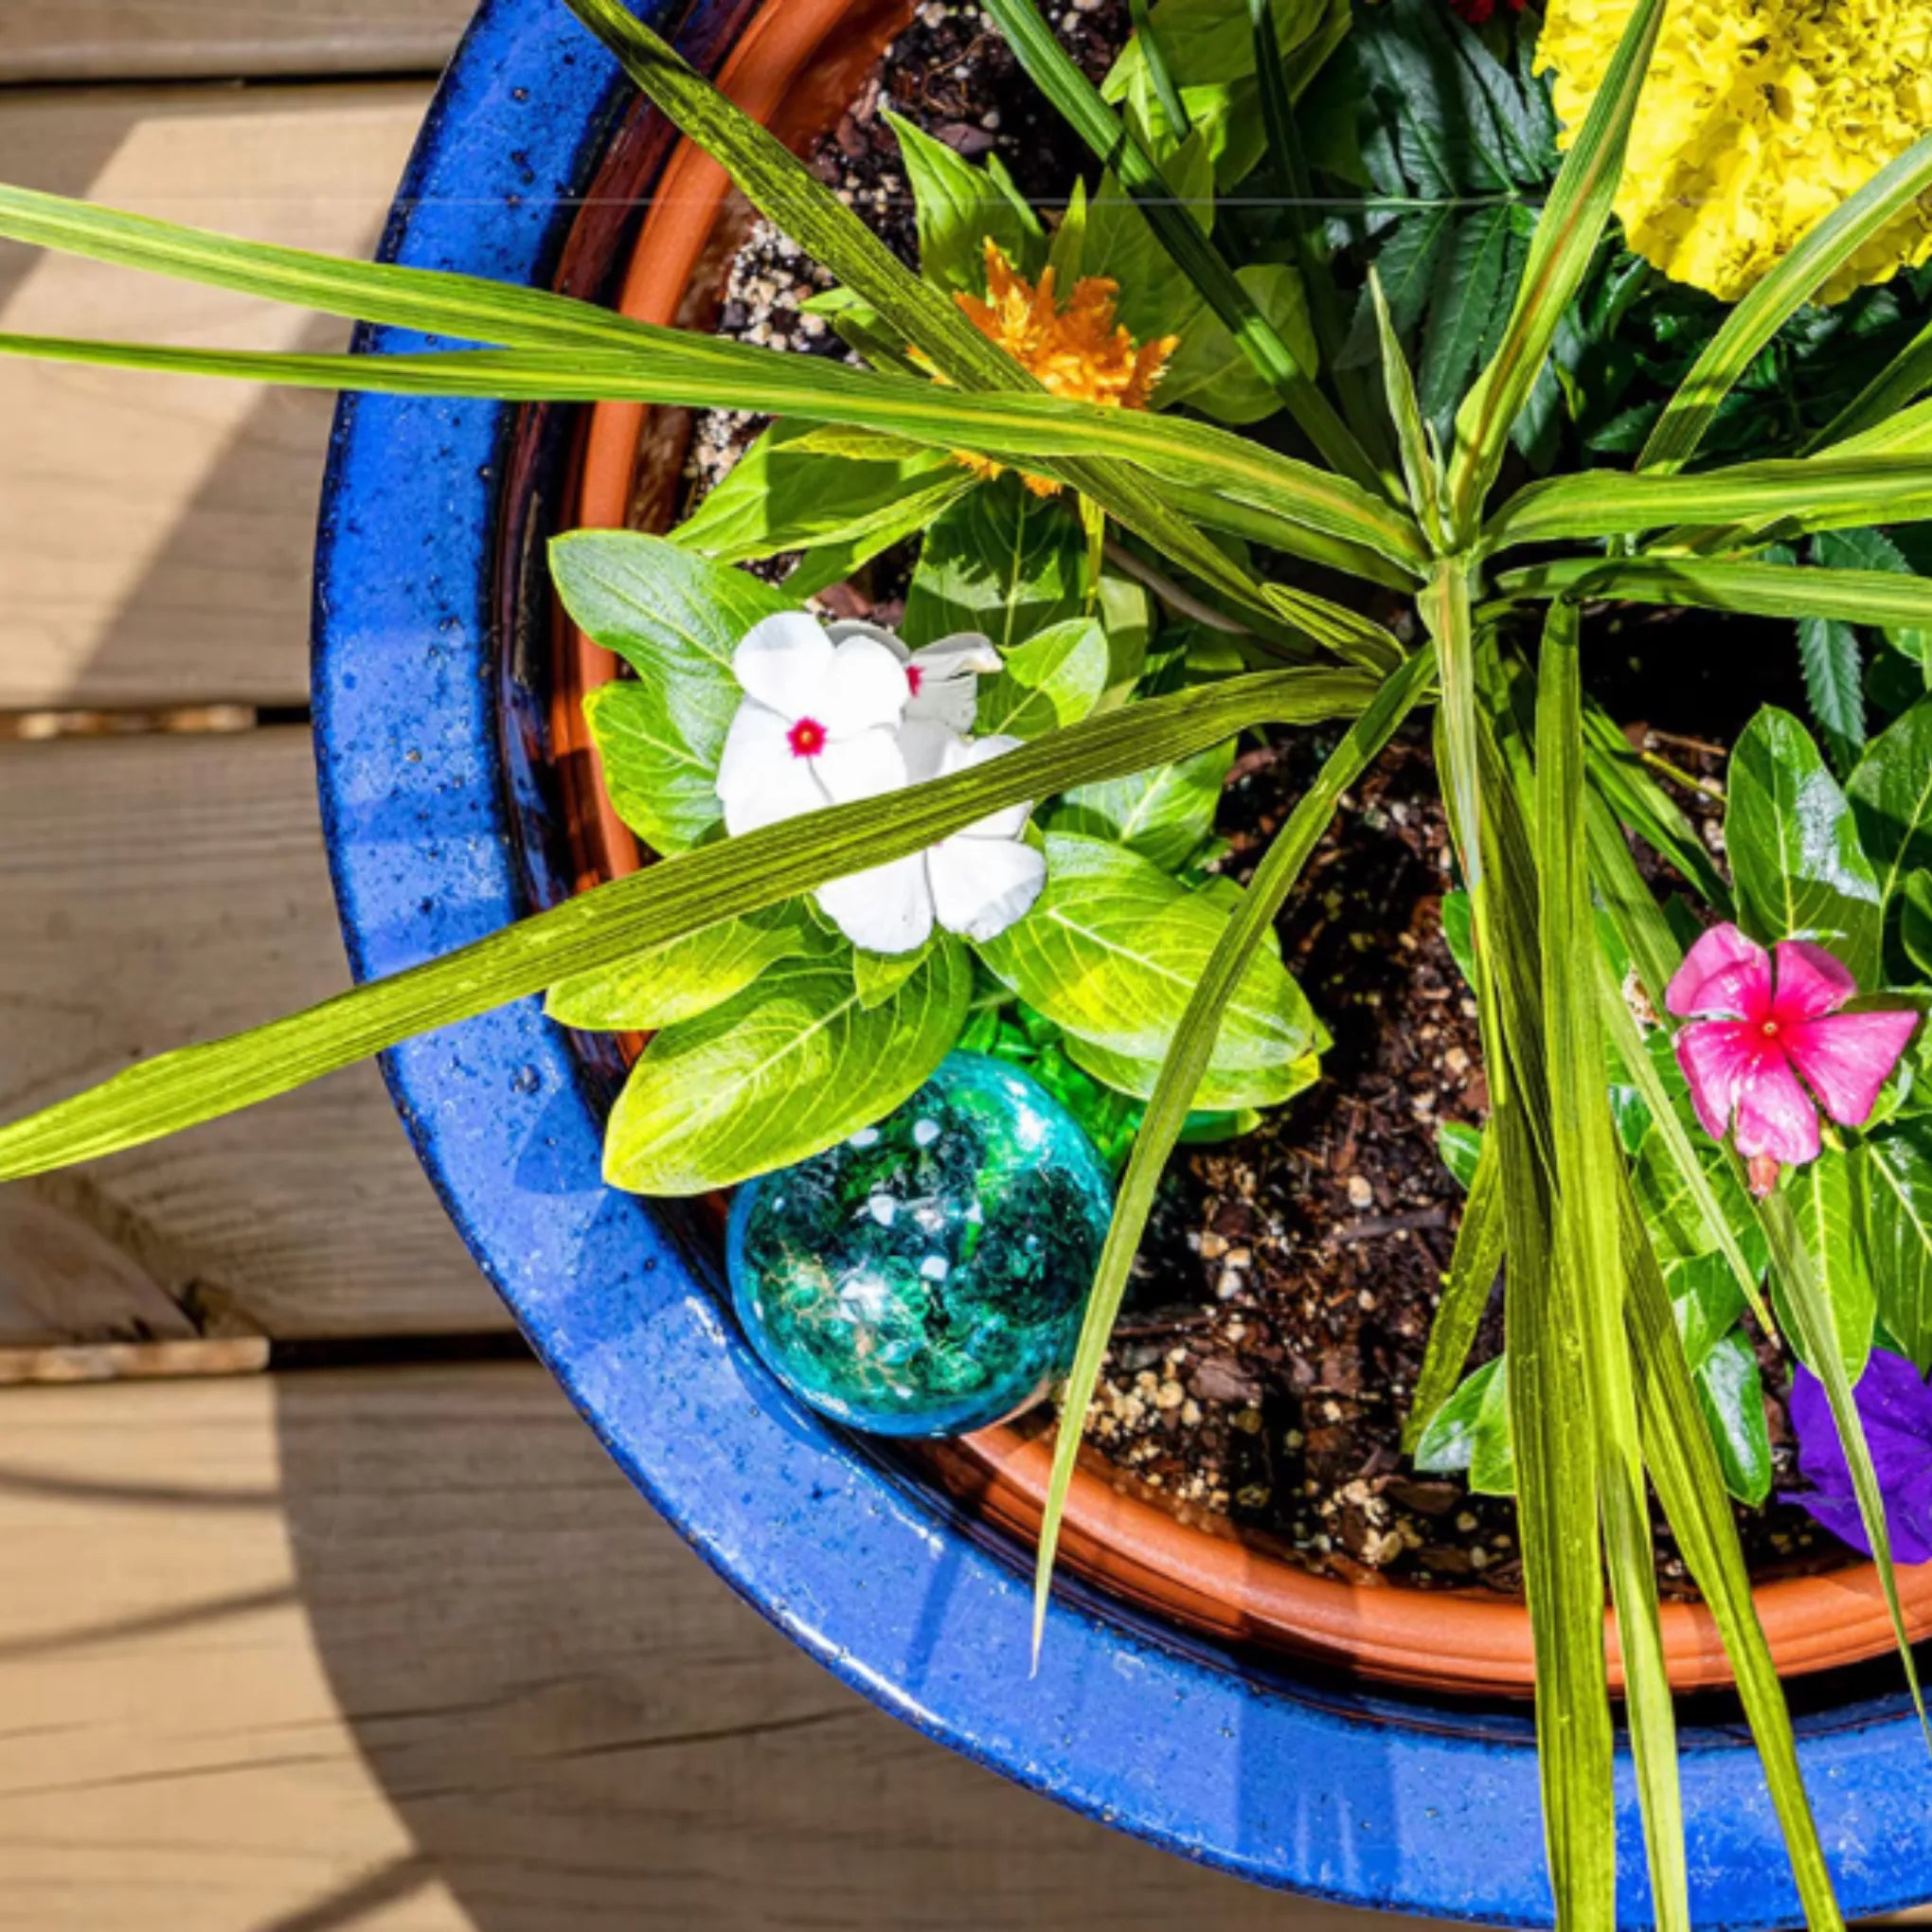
(1758,119)
(1078,352)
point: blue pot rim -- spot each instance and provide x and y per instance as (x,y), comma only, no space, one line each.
(1294,1780)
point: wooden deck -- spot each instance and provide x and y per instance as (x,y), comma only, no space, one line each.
(387,1646)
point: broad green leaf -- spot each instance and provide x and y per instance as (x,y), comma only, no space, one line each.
(1732,1394)
(790,1066)
(796,488)
(1461,1147)
(1823,251)
(1146,44)
(1240,943)
(660,785)
(1825,1207)
(1068,256)
(1209,372)
(1471,1433)
(1221,1093)
(610,924)
(1895,1181)
(1164,814)
(1891,799)
(1112,952)
(959,209)
(675,619)
(684,977)
(1793,848)
(1706,1300)
(1121,246)
(1054,679)
(879,976)
(1210,40)
(1560,250)
(1459,932)
(1003,561)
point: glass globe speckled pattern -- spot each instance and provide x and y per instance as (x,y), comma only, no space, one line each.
(926,1277)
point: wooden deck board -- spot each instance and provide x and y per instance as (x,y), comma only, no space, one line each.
(156,533)
(220,40)
(277,1652)
(158,890)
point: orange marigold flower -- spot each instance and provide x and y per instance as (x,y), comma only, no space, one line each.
(1078,352)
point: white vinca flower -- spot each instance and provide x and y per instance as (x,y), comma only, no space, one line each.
(835,713)
(975,883)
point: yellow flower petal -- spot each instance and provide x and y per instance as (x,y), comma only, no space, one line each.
(1758,117)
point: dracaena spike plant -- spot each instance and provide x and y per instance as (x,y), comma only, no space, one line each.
(950,396)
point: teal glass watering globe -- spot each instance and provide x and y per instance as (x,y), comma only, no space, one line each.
(926,1277)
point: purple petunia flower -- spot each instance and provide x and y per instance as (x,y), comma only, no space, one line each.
(1896,1407)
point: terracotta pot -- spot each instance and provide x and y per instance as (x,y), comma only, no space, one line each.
(795,66)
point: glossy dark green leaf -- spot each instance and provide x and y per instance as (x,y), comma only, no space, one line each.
(1732,1394)
(1915,922)
(1892,798)
(1824,1201)
(1793,847)
(1461,1147)
(1895,1185)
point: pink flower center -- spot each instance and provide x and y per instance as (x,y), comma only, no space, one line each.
(806,738)
(914,678)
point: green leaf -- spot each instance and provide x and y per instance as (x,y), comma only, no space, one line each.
(1895,1183)
(1210,371)
(1067,255)
(1732,1394)
(1459,932)
(1833,684)
(1620,778)
(1002,562)
(683,977)
(610,924)
(1706,1300)
(1915,922)
(675,619)
(1461,1147)
(1818,493)
(959,208)
(879,976)
(1468,287)
(1122,246)
(1054,679)
(1825,1207)
(1419,469)
(1588,1172)
(1164,814)
(790,1066)
(1799,869)
(800,486)
(1114,949)
(1218,1092)
(1473,1423)
(1892,798)
(1825,249)
(1211,42)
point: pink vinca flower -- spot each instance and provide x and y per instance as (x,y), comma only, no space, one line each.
(1764,1044)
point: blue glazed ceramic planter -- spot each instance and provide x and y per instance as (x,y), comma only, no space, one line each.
(441,820)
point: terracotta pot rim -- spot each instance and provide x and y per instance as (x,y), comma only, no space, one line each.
(1458,1641)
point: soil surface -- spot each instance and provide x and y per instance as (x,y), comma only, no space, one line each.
(1281,1304)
